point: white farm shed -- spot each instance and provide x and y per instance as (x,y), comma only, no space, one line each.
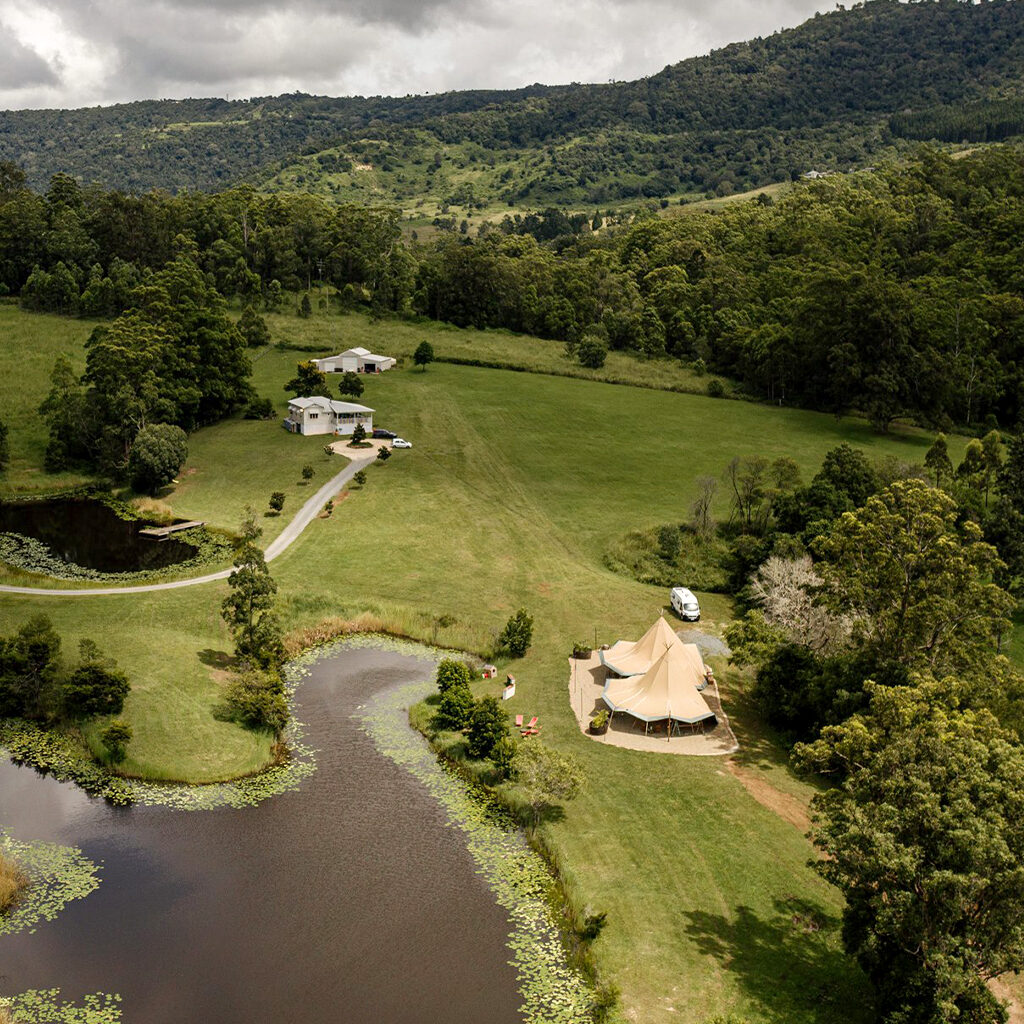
(354,360)
(319,415)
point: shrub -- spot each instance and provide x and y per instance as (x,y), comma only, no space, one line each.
(452,673)
(581,649)
(600,720)
(360,477)
(254,328)
(256,700)
(699,367)
(424,354)
(95,689)
(669,542)
(488,724)
(116,738)
(592,352)
(383,454)
(277,501)
(517,635)
(503,756)
(259,409)
(455,708)
(716,389)
(308,472)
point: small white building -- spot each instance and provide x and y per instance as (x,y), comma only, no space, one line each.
(319,415)
(354,360)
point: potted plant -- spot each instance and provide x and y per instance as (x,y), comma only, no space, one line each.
(599,723)
(581,649)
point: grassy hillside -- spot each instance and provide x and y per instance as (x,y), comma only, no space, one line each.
(743,116)
(515,487)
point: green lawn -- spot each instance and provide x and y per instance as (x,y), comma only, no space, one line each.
(516,486)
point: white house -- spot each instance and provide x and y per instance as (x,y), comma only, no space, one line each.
(354,360)
(319,415)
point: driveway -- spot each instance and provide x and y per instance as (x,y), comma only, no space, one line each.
(309,511)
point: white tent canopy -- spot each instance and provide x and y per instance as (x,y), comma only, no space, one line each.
(657,678)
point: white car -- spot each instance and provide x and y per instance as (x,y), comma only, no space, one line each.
(400,442)
(685,605)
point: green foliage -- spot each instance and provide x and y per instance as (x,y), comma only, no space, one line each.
(916,582)
(256,700)
(259,409)
(669,542)
(116,737)
(307,382)
(600,719)
(716,389)
(383,453)
(360,477)
(308,472)
(937,461)
(94,689)
(277,501)
(455,709)
(29,670)
(253,328)
(423,355)
(545,775)
(359,434)
(248,608)
(592,352)
(157,454)
(452,673)
(5,447)
(305,308)
(351,385)
(488,724)
(923,839)
(517,635)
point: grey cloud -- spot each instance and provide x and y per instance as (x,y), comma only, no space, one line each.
(20,66)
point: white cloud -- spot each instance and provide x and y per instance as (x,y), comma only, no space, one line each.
(81,52)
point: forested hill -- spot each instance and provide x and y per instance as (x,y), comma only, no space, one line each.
(831,92)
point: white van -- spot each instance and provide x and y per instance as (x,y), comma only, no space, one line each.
(685,605)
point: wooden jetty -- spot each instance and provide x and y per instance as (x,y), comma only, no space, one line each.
(163,532)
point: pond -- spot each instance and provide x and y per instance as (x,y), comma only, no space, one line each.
(87,533)
(351,899)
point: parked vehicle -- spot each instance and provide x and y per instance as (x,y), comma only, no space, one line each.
(685,605)
(400,443)
(387,435)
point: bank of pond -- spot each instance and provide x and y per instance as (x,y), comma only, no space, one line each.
(348,896)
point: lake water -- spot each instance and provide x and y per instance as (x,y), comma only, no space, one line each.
(88,534)
(350,900)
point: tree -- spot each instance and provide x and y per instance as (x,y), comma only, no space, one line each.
(923,838)
(992,454)
(1011,475)
(277,501)
(307,382)
(308,472)
(452,673)
(669,542)
(546,776)
(937,461)
(360,478)
(359,434)
(592,352)
(424,354)
(455,709)
(253,328)
(916,585)
(517,635)
(748,479)
(785,474)
(95,689)
(248,609)
(116,737)
(700,510)
(849,472)
(157,454)
(350,385)
(305,307)
(29,670)
(383,454)
(487,725)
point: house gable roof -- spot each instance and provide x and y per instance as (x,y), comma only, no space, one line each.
(327,405)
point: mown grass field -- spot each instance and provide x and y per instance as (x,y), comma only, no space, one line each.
(516,486)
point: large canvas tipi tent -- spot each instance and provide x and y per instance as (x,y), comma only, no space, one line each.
(658,678)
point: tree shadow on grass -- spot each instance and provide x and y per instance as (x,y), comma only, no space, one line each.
(218,659)
(790,964)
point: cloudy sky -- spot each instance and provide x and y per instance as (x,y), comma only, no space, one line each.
(69,53)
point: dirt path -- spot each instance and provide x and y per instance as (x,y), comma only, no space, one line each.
(309,511)
(787,807)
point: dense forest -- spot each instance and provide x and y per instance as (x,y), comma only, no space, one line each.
(898,292)
(842,90)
